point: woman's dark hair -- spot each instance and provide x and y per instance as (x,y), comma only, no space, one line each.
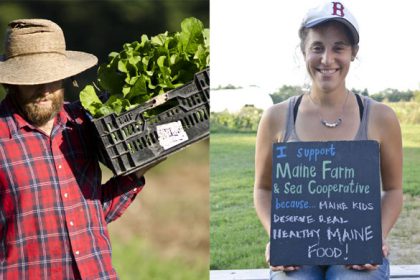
(303,34)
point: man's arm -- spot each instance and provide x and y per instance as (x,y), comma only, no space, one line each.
(119,192)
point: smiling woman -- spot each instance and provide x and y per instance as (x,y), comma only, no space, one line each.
(328,51)
(330,112)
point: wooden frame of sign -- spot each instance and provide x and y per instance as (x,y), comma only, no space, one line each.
(326,206)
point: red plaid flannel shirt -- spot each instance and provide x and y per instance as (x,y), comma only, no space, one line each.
(53,209)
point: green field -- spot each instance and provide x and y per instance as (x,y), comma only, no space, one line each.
(164,234)
(236,236)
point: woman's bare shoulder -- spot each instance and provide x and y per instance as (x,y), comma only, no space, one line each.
(383,122)
(382,113)
(277,112)
(273,121)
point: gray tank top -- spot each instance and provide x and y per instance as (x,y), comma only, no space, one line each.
(290,133)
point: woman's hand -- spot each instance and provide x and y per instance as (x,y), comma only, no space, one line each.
(385,252)
(385,248)
(363,266)
(281,267)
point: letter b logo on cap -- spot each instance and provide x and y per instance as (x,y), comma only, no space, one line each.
(338,9)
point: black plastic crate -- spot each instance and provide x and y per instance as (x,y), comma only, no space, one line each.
(138,138)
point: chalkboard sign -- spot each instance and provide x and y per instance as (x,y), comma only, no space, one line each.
(326,203)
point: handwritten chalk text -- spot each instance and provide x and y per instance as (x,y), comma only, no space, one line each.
(338,172)
(293,219)
(300,234)
(327,205)
(293,204)
(322,252)
(298,171)
(345,235)
(351,187)
(313,153)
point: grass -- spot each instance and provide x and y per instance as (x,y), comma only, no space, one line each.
(137,259)
(407,112)
(236,236)
(405,236)
(164,234)
(411,144)
(235,232)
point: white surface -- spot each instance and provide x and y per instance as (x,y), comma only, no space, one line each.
(397,272)
(255,42)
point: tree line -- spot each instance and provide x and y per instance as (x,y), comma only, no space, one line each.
(388,95)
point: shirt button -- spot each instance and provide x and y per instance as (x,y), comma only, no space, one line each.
(71,223)
(66,195)
(59,167)
(77,252)
(135,189)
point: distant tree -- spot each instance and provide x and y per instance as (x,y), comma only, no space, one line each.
(364,92)
(356,91)
(378,96)
(393,95)
(285,92)
(229,86)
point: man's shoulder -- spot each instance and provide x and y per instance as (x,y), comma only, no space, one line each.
(4,104)
(6,108)
(4,118)
(75,111)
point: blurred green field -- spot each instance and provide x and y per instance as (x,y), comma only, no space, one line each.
(407,112)
(236,236)
(164,234)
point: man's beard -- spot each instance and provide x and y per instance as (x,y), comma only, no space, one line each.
(39,115)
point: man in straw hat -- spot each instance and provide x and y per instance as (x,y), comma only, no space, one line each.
(53,208)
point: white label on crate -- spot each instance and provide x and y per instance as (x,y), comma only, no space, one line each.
(171,134)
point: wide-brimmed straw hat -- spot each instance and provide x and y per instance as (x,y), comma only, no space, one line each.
(35,53)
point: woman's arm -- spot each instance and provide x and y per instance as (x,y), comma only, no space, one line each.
(270,130)
(391,170)
(385,128)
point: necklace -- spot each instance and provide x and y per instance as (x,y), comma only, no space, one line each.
(338,121)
